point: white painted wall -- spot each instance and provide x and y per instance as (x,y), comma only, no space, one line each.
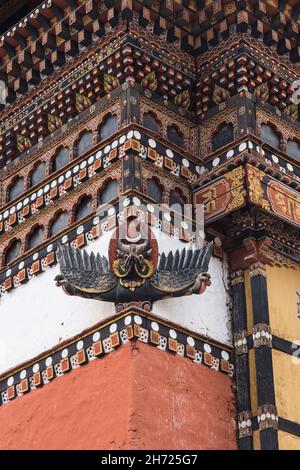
(38,315)
(206,314)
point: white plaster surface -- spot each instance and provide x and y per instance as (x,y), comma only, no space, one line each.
(206,314)
(38,315)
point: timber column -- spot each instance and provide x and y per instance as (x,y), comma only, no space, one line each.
(262,342)
(243,398)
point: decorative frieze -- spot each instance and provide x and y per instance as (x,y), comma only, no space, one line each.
(223,196)
(81,90)
(134,325)
(262,236)
(274,163)
(243,73)
(93,162)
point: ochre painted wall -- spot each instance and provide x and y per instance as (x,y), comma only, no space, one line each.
(256,440)
(287,385)
(137,397)
(288,441)
(253,383)
(283,283)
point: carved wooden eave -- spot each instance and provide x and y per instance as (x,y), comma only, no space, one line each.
(58,29)
(193,89)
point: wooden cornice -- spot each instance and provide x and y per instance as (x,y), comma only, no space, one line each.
(63,27)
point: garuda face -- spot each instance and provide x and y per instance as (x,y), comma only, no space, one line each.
(132,272)
(133,264)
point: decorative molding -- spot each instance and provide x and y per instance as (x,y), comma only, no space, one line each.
(131,325)
(284,424)
(103,65)
(262,335)
(240,342)
(253,150)
(288,426)
(65,136)
(237,277)
(262,237)
(267,417)
(245,424)
(277,343)
(258,269)
(257,251)
(226,194)
(97,159)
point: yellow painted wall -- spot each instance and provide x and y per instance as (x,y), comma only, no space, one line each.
(286,370)
(282,286)
(288,441)
(256,440)
(253,389)
(283,283)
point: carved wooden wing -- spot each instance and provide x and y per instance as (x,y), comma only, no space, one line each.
(178,272)
(87,273)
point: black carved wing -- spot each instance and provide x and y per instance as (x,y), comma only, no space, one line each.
(87,273)
(179,271)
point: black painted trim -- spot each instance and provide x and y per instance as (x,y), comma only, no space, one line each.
(255,426)
(263,358)
(259,299)
(283,345)
(289,426)
(239,307)
(246,443)
(269,439)
(280,344)
(264,376)
(242,377)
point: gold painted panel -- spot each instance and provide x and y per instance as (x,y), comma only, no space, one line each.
(273,196)
(223,195)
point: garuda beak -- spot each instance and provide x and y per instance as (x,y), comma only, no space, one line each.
(201,283)
(59,280)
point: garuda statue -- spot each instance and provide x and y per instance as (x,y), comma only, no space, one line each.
(132,273)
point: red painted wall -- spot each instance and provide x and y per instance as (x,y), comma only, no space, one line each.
(137,397)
